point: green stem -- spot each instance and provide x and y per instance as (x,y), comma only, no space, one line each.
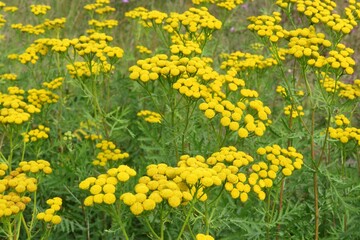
(117,212)
(186,221)
(152,229)
(162,222)
(28,233)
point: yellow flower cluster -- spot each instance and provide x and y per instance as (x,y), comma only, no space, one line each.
(239,61)
(8,76)
(55,23)
(92,6)
(189,76)
(12,203)
(104,10)
(185,49)
(103,187)
(280,159)
(40,97)
(93,137)
(257,46)
(281,90)
(54,84)
(109,152)
(39,9)
(155,67)
(190,87)
(13,107)
(289,110)
(193,175)
(201,236)
(196,21)
(244,117)
(49,215)
(147,18)
(10,9)
(344,133)
(338,59)
(33,135)
(18,182)
(305,42)
(143,49)
(99,8)
(341,120)
(149,116)
(108,23)
(2,21)
(227,4)
(31,53)
(345,90)
(28,28)
(3,168)
(82,69)
(176,186)
(87,129)
(322,11)
(35,166)
(268,26)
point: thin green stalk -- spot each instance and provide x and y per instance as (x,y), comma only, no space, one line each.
(117,214)
(186,221)
(33,214)
(28,233)
(151,229)
(162,222)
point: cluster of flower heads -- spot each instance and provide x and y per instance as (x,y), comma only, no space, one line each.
(12,203)
(143,49)
(103,187)
(99,7)
(195,78)
(201,236)
(304,43)
(6,9)
(93,49)
(161,66)
(149,116)
(147,18)
(195,24)
(35,166)
(41,132)
(227,4)
(343,132)
(54,84)
(344,90)
(47,24)
(39,9)
(41,97)
(17,183)
(282,91)
(109,152)
(8,76)
(239,61)
(49,215)
(14,109)
(268,26)
(191,177)
(294,111)
(88,130)
(324,12)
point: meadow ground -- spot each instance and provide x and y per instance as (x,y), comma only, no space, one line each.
(189,119)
